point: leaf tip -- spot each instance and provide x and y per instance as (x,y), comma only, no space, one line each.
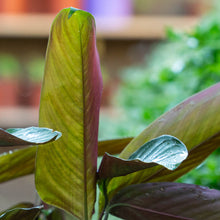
(72,11)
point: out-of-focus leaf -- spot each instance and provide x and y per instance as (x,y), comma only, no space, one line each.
(166,201)
(27,136)
(70,102)
(114,146)
(17,163)
(195,122)
(165,150)
(23,211)
(53,213)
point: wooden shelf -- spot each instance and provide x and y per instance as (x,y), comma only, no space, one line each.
(136,27)
(18,117)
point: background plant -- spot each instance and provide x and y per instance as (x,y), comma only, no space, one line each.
(183,65)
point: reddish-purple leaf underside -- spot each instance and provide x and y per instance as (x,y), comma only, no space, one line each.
(166,201)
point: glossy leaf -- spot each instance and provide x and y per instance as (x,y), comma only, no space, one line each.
(17,163)
(166,201)
(19,205)
(165,150)
(195,122)
(21,162)
(27,136)
(23,211)
(114,146)
(70,102)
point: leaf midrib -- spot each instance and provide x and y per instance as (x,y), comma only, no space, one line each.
(163,214)
(84,121)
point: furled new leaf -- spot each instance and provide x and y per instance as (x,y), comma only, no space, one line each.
(27,136)
(165,150)
(166,201)
(195,122)
(23,211)
(70,102)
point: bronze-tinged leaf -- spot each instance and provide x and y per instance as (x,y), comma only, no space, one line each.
(23,211)
(195,122)
(70,102)
(27,136)
(114,146)
(17,163)
(166,201)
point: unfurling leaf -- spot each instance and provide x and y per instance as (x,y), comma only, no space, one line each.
(27,136)
(70,100)
(166,201)
(165,150)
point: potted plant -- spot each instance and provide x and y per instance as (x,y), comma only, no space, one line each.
(137,184)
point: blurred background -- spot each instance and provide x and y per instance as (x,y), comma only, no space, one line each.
(154,54)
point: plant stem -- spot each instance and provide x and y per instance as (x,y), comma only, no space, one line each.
(104,191)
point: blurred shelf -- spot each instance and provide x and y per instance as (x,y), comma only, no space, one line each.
(18,117)
(135,27)
(28,116)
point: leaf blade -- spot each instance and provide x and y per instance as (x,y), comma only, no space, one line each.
(165,150)
(166,200)
(21,162)
(27,136)
(72,67)
(194,122)
(17,163)
(23,211)
(114,146)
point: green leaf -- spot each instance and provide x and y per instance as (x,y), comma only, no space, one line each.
(195,122)
(53,214)
(114,146)
(23,211)
(70,102)
(17,163)
(166,201)
(165,150)
(27,136)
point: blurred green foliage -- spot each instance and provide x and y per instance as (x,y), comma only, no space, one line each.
(35,68)
(186,63)
(9,66)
